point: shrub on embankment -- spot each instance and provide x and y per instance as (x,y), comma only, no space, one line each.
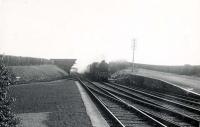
(152,84)
(7,118)
(37,73)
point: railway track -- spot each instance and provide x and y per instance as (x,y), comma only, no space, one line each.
(179,98)
(187,110)
(168,117)
(118,113)
(160,113)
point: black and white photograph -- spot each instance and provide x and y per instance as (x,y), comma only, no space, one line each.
(99,63)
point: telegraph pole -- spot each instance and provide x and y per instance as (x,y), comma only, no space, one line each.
(133,66)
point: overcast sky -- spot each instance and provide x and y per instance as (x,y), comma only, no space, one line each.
(166,31)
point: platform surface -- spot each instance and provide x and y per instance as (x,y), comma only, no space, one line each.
(189,83)
(51,104)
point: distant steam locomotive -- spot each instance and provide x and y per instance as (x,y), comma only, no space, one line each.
(98,71)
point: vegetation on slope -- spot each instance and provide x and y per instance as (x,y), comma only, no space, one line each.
(27,74)
(7,118)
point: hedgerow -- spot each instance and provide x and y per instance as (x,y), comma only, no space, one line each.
(7,118)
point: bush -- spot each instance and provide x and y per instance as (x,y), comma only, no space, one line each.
(7,118)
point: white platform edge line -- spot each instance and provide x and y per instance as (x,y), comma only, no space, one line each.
(95,116)
(168,82)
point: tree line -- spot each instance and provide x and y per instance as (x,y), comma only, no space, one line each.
(9,60)
(114,66)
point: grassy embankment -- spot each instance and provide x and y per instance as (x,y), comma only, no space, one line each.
(190,70)
(37,73)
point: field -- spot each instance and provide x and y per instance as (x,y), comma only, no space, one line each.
(60,98)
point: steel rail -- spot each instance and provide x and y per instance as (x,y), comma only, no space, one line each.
(183,111)
(168,101)
(177,97)
(102,106)
(131,107)
(179,115)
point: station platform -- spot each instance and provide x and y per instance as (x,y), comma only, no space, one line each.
(188,83)
(53,104)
